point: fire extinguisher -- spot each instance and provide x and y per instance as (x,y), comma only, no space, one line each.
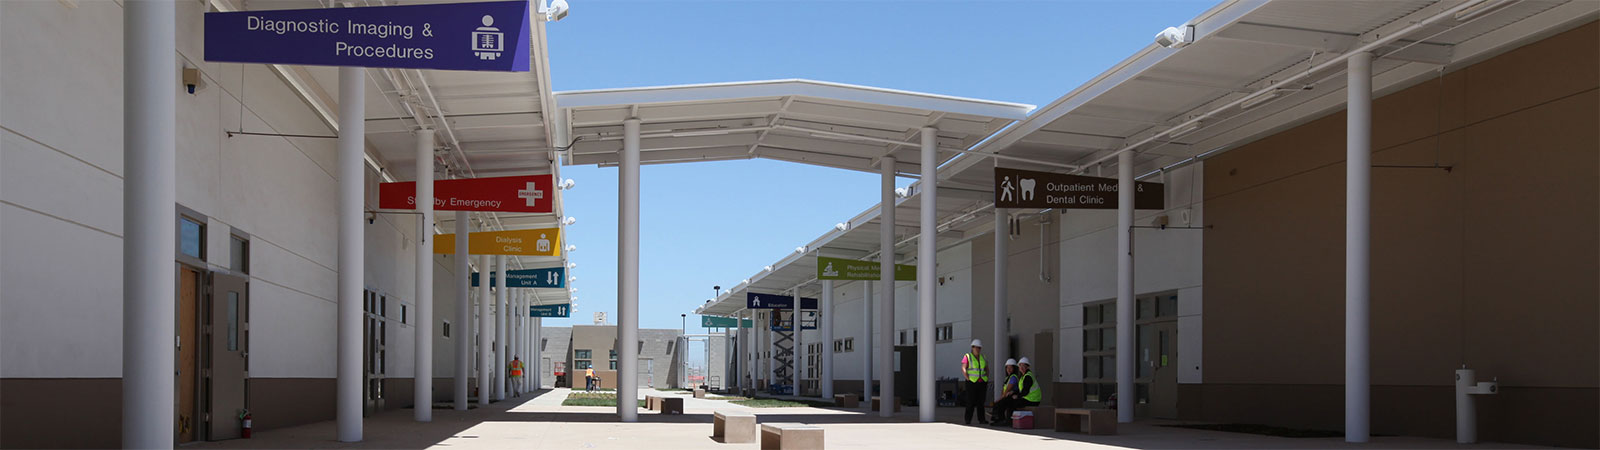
(245,420)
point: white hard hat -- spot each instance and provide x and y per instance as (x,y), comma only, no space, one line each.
(1011,362)
(1024,361)
(977,343)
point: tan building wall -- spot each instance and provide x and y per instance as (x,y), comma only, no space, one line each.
(1492,264)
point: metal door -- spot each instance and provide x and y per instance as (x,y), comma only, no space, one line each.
(227,353)
(375,338)
(1164,370)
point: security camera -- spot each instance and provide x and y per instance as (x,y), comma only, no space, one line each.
(902,192)
(841,226)
(372,218)
(1175,37)
(568,184)
(557,11)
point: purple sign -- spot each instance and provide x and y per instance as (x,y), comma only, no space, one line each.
(454,36)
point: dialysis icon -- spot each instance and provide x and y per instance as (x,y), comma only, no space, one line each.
(487,40)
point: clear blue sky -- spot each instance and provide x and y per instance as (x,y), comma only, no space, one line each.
(706,224)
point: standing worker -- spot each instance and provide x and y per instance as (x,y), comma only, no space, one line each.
(977,371)
(588,379)
(516,376)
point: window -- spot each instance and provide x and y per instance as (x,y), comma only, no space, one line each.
(444,329)
(192,237)
(404,317)
(239,254)
(544,343)
(838,345)
(902,337)
(581,359)
(670,345)
(914,336)
(850,344)
(1099,350)
(945,333)
(233,321)
(613,364)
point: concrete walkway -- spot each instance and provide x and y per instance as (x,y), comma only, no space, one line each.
(538,421)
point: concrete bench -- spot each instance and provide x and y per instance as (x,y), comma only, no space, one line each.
(699,393)
(846,400)
(875,404)
(1044,417)
(733,428)
(669,405)
(1096,421)
(791,436)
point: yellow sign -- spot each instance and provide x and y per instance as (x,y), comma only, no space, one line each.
(535,242)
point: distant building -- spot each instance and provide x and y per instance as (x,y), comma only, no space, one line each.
(579,347)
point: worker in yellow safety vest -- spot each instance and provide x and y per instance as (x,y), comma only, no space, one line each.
(977,381)
(1028,393)
(516,376)
(588,379)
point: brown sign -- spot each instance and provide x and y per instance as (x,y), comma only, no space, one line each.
(1028,189)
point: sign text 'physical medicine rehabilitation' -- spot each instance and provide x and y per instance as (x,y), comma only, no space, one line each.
(490,36)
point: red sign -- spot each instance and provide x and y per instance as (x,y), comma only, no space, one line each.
(531,194)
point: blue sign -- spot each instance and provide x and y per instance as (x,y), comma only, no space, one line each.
(558,310)
(455,36)
(774,301)
(554,277)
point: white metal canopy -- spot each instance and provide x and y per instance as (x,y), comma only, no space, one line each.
(1243,47)
(811,122)
(486,124)
(1257,67)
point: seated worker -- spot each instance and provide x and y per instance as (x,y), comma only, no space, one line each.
(1008,387)
(1028,393)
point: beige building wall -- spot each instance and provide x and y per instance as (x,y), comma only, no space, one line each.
(1492,264)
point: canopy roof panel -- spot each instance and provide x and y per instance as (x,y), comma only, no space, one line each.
(1242,49)
(812,122)
(1171,104)
(487,123)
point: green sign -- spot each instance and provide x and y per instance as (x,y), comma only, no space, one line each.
(722,322)
(850,269)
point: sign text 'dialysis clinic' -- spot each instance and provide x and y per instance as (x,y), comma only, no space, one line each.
(491,36)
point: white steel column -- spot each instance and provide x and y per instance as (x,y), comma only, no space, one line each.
(501,327)
(1357,248)
(628,273)
(538,349)
(1125,350)
(463,332)
(149,202)
(352,143)
(422,381)
(1002,336)
(485,331)
(866,342)
(795,365)
(927,257)
(516,340)
(746,346)
(886,277)
(825,325)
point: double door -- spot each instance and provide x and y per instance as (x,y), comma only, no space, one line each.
(212,372)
